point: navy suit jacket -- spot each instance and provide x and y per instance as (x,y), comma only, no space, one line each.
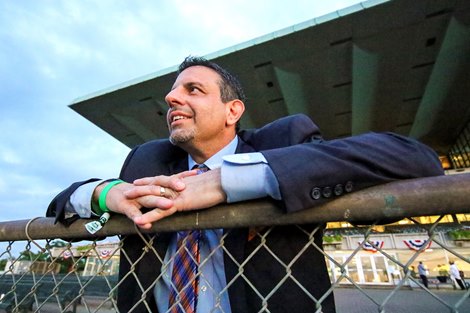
(310,171)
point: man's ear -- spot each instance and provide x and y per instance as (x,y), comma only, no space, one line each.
(234,111)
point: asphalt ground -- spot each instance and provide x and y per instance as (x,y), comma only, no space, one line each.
(402,301)
(348,300)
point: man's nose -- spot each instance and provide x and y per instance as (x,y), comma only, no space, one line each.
(173,98)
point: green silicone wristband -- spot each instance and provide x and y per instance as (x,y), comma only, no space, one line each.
(104,193)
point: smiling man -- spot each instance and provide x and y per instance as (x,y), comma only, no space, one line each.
(202,116)
(286,160)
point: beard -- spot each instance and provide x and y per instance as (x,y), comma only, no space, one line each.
(180,136)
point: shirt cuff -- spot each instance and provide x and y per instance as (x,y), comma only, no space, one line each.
(80,200)
(247,176)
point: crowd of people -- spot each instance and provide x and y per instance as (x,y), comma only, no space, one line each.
(452,272)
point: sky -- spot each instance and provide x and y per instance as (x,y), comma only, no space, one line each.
(55,51)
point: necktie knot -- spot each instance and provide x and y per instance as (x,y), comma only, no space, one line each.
(201,168)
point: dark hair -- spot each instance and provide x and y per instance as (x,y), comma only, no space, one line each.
(230,87)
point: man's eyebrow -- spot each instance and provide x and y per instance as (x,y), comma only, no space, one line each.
(191,84)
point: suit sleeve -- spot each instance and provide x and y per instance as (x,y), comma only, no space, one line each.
(283,132)
(57,206)
(317,171)
(146,160)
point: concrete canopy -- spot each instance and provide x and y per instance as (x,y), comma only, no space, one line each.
(401,66)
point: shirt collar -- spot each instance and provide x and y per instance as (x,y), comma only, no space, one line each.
(216,160)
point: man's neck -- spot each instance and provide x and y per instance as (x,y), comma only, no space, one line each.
(203,151)
(216,160)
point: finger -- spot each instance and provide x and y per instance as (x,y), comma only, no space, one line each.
(144,181)
(146,190)
(133,215)
(131,211)
(161,180)
(152,191)
(153,216)
(174,182)
(145,226)
(140,191)
(186,174)
(155,202)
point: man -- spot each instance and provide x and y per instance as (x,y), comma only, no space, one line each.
(423,273)
(455,275)
(295,167)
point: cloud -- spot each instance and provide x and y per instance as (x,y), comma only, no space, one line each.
(55,52)
(9,156)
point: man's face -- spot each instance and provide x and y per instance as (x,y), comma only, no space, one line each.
(197,113)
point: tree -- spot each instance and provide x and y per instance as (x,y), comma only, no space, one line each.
(28,255)
(3,263)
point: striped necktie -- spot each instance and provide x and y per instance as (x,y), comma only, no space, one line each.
(183,295)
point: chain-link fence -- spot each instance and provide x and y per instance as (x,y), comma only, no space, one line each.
(47,267)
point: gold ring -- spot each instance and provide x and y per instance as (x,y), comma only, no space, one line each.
(162,191)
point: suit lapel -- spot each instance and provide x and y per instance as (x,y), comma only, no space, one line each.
(179,165)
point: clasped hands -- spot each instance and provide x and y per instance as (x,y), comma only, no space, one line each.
(182,192)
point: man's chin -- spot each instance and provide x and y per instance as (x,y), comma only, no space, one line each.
(178,139)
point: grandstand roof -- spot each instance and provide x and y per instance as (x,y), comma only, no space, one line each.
(401,66)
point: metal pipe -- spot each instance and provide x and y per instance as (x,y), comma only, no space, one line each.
(385,203)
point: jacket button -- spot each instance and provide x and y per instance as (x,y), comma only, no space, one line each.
(338,190)
(326,192)
(316,194)
(348,187)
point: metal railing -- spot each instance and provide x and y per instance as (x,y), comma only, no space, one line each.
(39,276)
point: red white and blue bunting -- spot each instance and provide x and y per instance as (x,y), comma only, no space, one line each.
(417,244)
(67,254)
(105,253)
(372,245)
